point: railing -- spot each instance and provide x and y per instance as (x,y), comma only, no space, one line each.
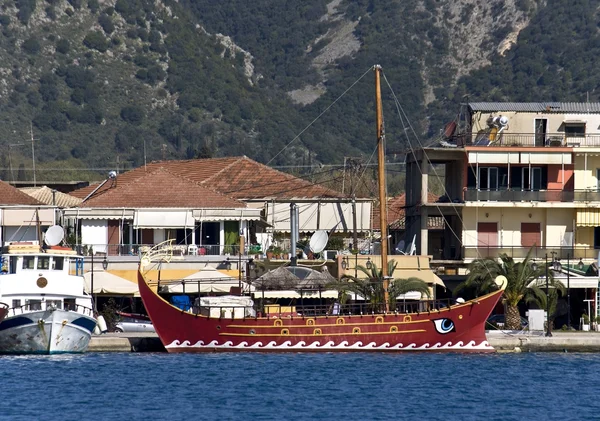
(529,140)
(539,253)
(509,195)
(37,306)
(139,249)
(327,310)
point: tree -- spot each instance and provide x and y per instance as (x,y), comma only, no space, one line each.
(371,288)
(483,273)
(537,294)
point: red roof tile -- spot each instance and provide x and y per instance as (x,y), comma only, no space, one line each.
(10,195)
(396,213)
(158,189)
(237,177)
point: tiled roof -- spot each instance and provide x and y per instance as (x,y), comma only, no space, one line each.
(536,107)
(45,195)
(396,214)
(158,188)
(10,195)
(237,177)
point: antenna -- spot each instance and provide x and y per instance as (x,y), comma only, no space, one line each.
(54,235)
(318,241)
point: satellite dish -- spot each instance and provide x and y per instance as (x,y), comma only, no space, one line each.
(318,241)
(54,235)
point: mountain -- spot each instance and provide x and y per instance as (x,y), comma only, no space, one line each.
(113,84)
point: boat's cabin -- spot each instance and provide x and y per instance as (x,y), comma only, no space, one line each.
(45,262)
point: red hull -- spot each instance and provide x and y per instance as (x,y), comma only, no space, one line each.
(458,328)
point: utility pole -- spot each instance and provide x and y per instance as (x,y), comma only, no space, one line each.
(32,151)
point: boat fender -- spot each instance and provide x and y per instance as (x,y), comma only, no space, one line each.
(102,324)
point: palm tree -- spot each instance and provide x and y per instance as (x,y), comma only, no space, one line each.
(537,294)
(483,273)
(371,287)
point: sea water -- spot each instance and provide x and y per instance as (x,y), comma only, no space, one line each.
(334,386)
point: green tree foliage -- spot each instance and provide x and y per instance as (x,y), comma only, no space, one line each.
(26,8)
(31,46)
(93,5)
(96,41)
(63,45)
(133,115)
(106,23)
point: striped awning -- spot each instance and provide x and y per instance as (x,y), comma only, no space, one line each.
(588,217)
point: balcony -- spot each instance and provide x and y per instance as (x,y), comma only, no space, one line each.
(178,249)
(538,253)
(507,195)
(530,140)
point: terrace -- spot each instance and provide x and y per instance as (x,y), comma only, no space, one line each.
(530,140)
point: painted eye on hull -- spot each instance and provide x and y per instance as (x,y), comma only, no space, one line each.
(444,326)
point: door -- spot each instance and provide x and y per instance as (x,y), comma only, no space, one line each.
(540,131)
(113,237)
(531,235)
(487,234)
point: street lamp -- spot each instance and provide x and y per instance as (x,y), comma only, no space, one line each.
(344,263)
(369,265)
(228,264)
(548,333)
(580,264)
(105,264)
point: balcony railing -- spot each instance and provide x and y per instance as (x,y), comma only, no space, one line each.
(508,195)
(529,140)
(538,253)
(139,249)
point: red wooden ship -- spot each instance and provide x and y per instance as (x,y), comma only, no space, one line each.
(236,326)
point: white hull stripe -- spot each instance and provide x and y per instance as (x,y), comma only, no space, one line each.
(372,346)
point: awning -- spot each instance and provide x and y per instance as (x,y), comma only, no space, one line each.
(109,284)
(235,214)
(578,282)
(588,217)
(27,216)
(572,121)
(426,275)
(206,280)
(99,213)
(164,218)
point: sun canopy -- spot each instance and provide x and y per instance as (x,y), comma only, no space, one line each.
(205,280)
(109,284)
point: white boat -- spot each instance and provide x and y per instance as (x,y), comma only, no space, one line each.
(49,313)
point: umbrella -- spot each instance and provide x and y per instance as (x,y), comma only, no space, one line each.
(279,278)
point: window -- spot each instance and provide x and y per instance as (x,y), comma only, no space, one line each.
(13,264)
(53,304)
(597,179)
(16,303)
(532,179)
(34,304)
(28,262)
(70,304)
(575,130)
(58,263)
(488,178)
(43,263)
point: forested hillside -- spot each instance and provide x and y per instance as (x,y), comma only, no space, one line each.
(110,84)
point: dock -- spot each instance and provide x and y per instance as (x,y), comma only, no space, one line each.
(502,341)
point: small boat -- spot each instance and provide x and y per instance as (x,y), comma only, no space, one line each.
(49,312)
(233,323)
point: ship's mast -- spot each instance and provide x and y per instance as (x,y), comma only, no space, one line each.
(382,185)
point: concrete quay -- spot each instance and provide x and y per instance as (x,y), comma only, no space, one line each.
(126,342)
(501,340)
(560,341)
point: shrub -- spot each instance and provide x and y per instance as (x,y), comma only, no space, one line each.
(63,46)
(93,5)
(96,41)
(132,114)
(106,23)
(31,46)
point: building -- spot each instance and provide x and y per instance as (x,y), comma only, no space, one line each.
(517,176)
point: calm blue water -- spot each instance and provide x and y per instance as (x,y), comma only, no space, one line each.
(300,387)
